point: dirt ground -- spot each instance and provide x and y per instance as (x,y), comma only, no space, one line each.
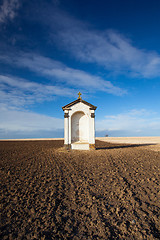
(51,193)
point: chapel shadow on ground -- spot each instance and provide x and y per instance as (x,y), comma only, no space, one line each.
(101,145)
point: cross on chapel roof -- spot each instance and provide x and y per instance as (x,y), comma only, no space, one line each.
(79,94)
(66,107)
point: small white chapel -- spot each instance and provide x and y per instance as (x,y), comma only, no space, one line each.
(79,125)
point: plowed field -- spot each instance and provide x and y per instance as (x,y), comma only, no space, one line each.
(51,193)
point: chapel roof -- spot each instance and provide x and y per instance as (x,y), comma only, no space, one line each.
(92,107)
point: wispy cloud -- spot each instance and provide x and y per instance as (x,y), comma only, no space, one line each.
(17,92)
(109,49)
(8,10)
(16,120)
(137,121)
(13,120)
(23,124)
(69,76)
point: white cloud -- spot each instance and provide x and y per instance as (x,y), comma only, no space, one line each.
(135,121)
(108,49)
(69,76)
(16,96)
(17,92)
(8,10)
(12,120)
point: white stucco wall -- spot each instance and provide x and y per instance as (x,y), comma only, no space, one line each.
(79,126)
(66,130)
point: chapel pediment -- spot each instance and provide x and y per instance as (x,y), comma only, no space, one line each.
(92,107)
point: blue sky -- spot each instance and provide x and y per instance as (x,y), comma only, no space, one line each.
(50,50)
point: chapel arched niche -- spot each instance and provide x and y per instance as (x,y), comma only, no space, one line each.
(79,127)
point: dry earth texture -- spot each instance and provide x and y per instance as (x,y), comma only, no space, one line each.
(51,193)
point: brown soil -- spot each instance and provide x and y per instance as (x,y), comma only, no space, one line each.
(51,193)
